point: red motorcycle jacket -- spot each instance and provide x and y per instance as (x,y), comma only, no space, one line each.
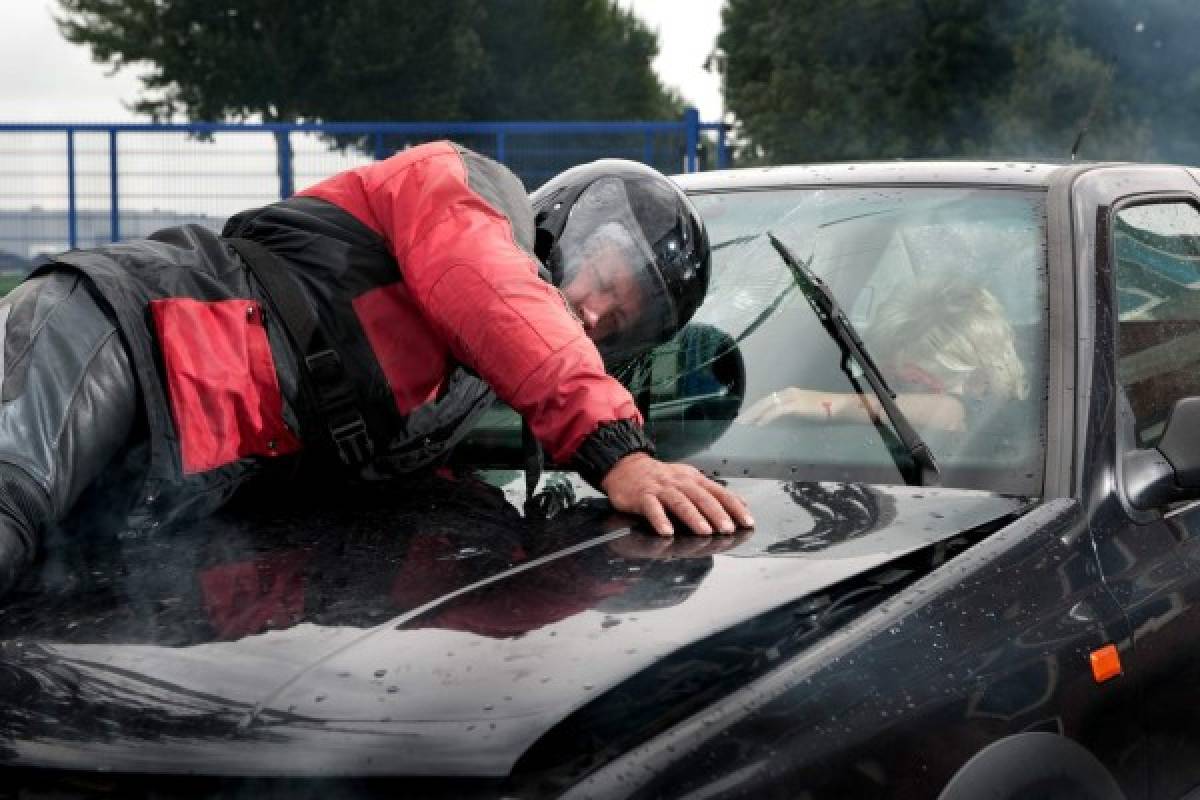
(466,290)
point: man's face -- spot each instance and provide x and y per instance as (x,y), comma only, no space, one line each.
(605,294)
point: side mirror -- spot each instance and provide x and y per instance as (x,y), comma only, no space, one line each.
(1170,472)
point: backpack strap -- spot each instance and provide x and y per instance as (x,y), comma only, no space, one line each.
(323,376)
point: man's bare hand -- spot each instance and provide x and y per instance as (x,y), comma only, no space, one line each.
(641,484)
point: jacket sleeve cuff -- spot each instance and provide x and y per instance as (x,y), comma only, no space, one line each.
(607,445)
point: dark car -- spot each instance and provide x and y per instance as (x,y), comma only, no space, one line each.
(984,586)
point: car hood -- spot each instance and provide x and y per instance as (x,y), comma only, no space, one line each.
(440,634)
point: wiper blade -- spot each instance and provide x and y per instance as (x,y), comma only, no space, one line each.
(921,468)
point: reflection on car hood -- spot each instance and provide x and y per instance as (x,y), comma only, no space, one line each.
(438,634)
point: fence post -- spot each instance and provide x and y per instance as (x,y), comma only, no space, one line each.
(691,119)
(722,147)
(500,149)
(114,202)
(379,154)
(72,220)
(283,150)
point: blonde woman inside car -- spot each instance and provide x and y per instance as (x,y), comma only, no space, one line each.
(943,346)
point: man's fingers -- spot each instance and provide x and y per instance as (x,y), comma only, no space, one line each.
(654,513)
(684,509)
(731,502)
(710,505)
(641,484)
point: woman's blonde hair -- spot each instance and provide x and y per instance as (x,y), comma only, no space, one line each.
(953,327)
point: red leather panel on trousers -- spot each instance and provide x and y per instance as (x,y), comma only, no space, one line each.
(221,381)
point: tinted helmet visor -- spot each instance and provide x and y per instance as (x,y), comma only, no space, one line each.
(611,275)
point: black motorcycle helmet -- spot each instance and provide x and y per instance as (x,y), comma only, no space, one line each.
(631,210)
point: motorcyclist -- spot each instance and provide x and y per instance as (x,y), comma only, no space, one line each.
(359,326)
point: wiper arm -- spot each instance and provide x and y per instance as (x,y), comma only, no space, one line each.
(923,470)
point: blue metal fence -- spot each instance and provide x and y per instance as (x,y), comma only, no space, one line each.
(75,185)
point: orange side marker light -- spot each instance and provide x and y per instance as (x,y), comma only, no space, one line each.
(1106,663)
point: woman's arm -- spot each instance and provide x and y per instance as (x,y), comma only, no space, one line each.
(936,411)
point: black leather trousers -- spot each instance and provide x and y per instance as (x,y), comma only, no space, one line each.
(68,404)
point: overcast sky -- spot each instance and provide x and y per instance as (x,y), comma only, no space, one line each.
(45,79)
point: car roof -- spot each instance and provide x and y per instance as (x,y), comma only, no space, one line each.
(999,173)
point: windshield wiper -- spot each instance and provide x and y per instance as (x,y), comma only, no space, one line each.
(920,469)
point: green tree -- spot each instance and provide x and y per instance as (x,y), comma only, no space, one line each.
(376,59)
(569,59)
(847,79)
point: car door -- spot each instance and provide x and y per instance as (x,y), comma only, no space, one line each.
(1147,317)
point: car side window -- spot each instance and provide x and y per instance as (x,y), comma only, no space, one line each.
(1157,252)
